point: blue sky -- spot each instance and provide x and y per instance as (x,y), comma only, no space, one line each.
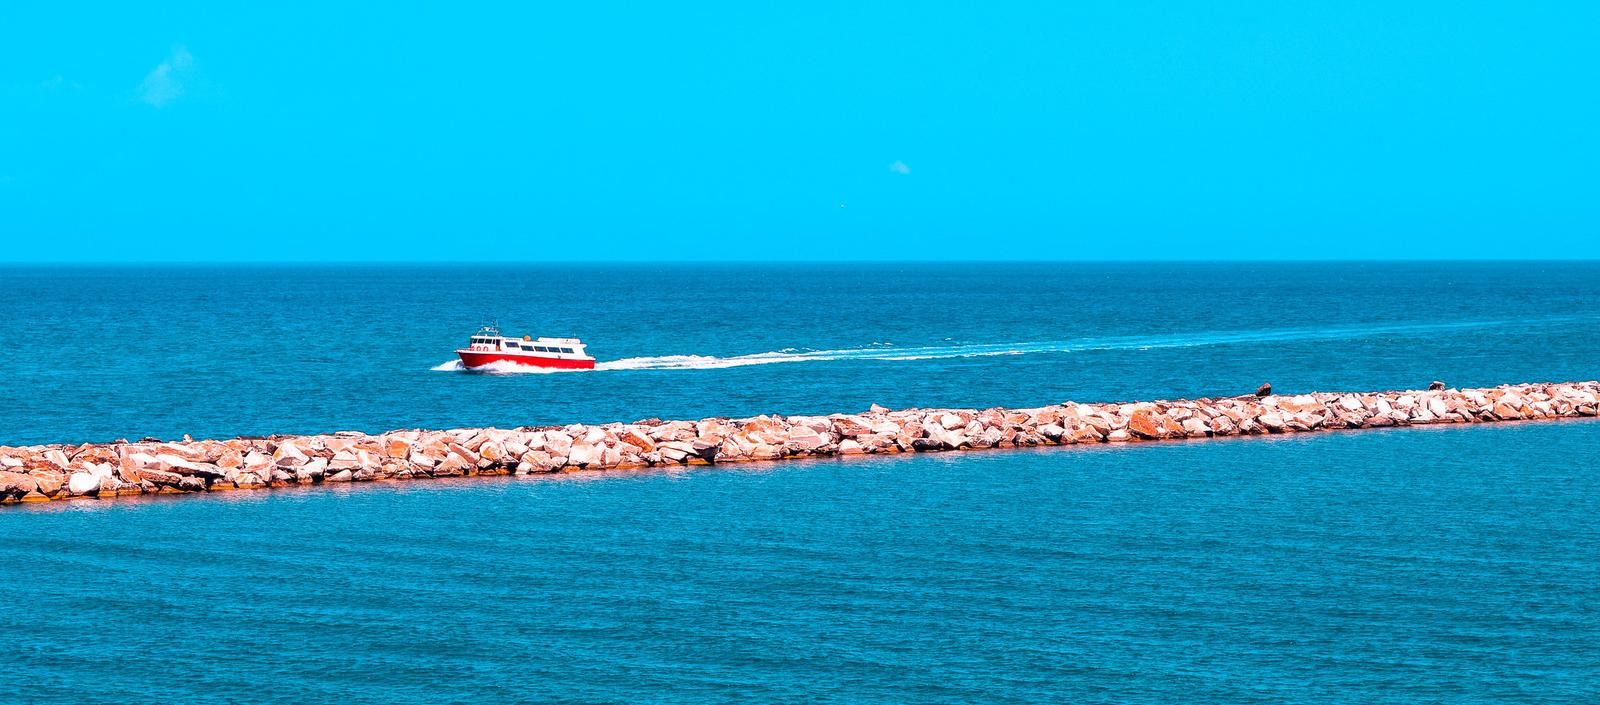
(799,131)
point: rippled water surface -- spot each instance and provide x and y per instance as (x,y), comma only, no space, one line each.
(97,354)
(1433,565)
(1449,565)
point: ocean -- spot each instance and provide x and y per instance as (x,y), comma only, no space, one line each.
(1416,565)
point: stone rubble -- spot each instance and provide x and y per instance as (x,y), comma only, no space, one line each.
(55,472)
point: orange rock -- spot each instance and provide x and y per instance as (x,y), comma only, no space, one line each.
(127,465)
(1223,425)
(229,458)
(1144,424)
(16,484)
(396,448)
(851,426)
(1085,433)
(53,459)
(634,437)
(49,482)
(1303,402)
(470,457)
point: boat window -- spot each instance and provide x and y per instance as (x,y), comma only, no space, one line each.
(567,350)
(541,348)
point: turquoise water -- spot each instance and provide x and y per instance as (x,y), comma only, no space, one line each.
(1453,565)
(97,354)
(1435,565)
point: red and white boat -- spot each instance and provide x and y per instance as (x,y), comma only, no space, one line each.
(487,347)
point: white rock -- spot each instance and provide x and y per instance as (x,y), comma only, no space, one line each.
(1438,407)
(584,454)
(83,483)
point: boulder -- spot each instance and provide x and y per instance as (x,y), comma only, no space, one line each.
(583,455)
(1143,424)
(851,426)
(396,448)
(1264,390)
(1223,425)
(50,483)
(16,484)
(163,478)
(558,443)
(675,451)
(637,438)
(466,454)
(989,437)
(806,440)
(83,483)
(1086,433)
(53,459)
(1272,422)
(1302,402)
(312,471)
(289,454)
(706,450)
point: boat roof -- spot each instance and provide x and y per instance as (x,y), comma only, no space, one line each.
(493,332)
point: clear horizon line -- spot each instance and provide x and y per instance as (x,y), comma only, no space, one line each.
(487,262)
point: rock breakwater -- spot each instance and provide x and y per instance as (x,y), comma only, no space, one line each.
(102,470)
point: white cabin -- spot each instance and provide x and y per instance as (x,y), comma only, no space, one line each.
(489,340)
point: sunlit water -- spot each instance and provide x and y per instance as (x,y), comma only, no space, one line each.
(1417,565)
(97,354)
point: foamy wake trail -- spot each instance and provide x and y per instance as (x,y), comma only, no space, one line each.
(706,362)
(889,352)
(497,368)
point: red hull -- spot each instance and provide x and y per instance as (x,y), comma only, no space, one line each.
(475,360)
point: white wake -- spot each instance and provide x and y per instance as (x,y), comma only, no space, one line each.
(890,352)
(498,367)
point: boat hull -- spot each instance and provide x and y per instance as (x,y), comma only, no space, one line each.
(474,359)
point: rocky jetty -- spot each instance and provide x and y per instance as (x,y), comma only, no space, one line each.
(55,472)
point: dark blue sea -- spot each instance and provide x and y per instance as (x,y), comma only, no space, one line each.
(1437,565)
